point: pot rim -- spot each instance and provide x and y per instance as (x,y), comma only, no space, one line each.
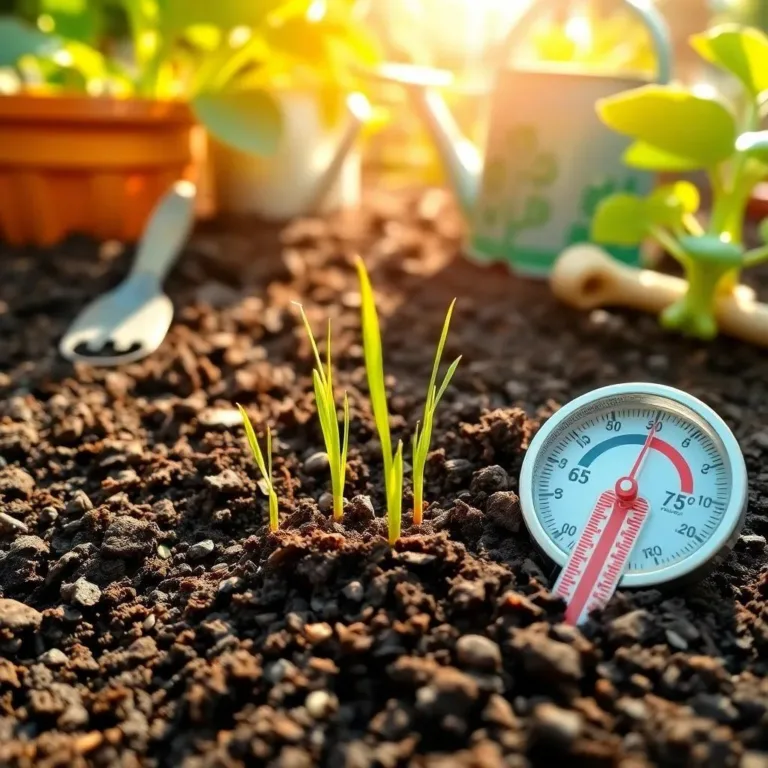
(74,108)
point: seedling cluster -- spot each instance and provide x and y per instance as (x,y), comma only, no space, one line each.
(337,439)
(679,130)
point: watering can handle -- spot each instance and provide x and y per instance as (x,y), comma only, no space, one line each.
(651,18)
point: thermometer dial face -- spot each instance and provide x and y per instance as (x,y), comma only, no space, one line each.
(693,477)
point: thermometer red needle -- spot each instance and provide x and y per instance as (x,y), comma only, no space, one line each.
(597,563)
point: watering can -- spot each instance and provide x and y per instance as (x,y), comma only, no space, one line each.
(548,158)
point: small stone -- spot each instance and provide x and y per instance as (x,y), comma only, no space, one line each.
(416,558)
(317,463)
(54,658)
(450,692)
(752,543)
(499,712)
(754,760)
(548,659)
(354,591)
(200,550)
(219,417)
(163,552)
(79,503)
(489,480)
(128,537)
(318,633)
(280,670)
(49,515)
(516,390)
(227,481)
(82,593)
(458,468)
(16,616)
(479,652)
(15,483)
(230,585)
(503,510)
(635,626)
(149,622)
(555,726)
(320,704)
(715,706)
(325,502)
(675,640)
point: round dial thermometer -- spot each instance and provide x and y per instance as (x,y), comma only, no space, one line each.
(649,445)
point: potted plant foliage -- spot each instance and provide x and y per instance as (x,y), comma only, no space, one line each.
(678,130)
(90,139)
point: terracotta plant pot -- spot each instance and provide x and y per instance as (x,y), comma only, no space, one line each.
(87,165)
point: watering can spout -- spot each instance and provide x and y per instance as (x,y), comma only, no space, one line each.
(460,158)
(358,113)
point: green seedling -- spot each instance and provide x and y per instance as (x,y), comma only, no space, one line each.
(422,435)
(264,467)
(374,368)
(322,379)
(679,130)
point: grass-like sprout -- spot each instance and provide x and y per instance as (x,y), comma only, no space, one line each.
(374,367)
(322,379)
(422,436)
(264,467)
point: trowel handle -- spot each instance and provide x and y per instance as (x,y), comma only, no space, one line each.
(166,231)
(586,277)
(647,13)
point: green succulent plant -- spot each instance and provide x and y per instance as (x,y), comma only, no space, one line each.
(679,130)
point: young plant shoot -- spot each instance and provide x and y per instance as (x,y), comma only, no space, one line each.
(676,129)
(374,367)
(264,468)
(322,378)
(422,436)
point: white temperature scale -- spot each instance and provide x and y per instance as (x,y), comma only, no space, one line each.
(638,484)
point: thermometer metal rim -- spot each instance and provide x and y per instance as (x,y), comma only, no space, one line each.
(721,541)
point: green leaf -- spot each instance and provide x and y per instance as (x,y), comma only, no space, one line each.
(18,39)
(672,119)
(249,121)
(763,229)
(754,144)
(177,15)
(647,158)
(667,205)
(620,219)
(77,20)
(742,51)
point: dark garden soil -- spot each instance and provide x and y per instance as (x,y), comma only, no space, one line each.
(159,624)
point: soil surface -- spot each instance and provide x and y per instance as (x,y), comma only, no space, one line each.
(148,618)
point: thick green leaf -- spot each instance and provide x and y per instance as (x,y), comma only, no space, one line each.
(742,51)
(18,39)
(673,120)
(647,158)
(754,144)
(667,205)
(620,219)
(250,121)
(177,15)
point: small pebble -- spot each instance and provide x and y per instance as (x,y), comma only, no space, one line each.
(15,483)
(79,503)
(479,652)
(556,726)
(503,510)
(489,480)
(219,417)
(200,550)
(230,584)
(49,515)
(325,502)
(458,467)
(149,622)
(320,704)
(752,543)
(163,552)
(354,591)
(675,640)
(226,481)
(17,617)
(317,463)
(82,593)
(318,633)
(54,658)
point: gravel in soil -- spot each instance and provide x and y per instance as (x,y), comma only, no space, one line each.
(147,617)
